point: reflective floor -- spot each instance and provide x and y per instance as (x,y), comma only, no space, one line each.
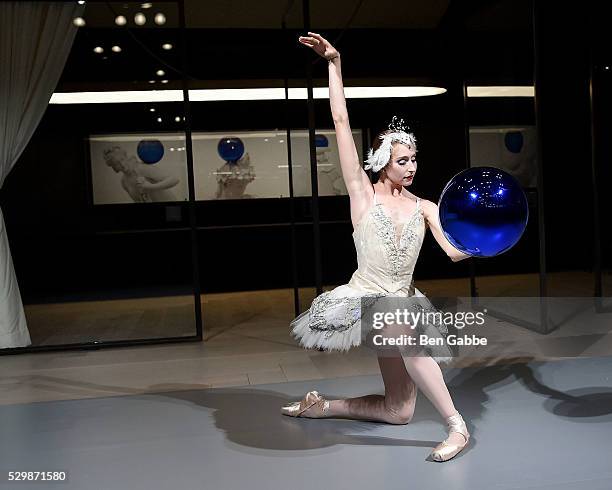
(534,426)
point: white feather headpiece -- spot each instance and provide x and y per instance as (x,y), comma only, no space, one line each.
(378,159)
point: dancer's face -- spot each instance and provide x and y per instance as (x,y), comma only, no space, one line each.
(402,166)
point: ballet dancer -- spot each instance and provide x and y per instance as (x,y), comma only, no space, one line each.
(389,226)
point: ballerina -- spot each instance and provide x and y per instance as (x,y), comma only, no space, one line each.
(386,255)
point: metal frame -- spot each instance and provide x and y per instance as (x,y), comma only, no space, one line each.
(543,326)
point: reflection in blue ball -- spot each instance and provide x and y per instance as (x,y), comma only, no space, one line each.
(321,141)
(483,211)
(514,141)
(150,151)
(230,149)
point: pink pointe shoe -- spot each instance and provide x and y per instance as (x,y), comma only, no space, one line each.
(447,450)
(311,399)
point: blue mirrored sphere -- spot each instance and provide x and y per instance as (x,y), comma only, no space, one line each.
(321,141)
(483,211)
(514,141)
(150,151)
(230,149)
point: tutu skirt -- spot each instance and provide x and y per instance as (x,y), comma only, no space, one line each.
(333,322)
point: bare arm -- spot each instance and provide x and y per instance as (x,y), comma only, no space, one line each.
(160,179)
(356,180)
(430,212)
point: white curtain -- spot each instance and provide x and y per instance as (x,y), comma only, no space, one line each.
(35,40)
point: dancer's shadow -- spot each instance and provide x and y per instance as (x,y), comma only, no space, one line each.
(251,417)
(469,385)
(580,403)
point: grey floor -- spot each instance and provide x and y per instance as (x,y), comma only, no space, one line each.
(541,425)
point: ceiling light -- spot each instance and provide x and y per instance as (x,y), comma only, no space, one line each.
(151,81)
(146,5)
(152,109)
(500,91)
(116,49)
(318,93)
(160,19)
(120,20)
(164,81)
(167,46)
(98,49)
(160,73)
(78,21)
(159,119)
(200,95)
(140,19)
(177,119)
(81,2)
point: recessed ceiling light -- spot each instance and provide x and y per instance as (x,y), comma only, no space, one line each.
(167,46)
(177,119)
(78,21)
(140,19)
(146,5)
(120,20)
(81,2)
(159,119)
(116,49)
(160,19)
(152,109)
(164,81)
(160,73)
(151,81)
(98,49)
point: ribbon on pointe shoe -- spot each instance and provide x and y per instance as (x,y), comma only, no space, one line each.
(447,450)
(312,398)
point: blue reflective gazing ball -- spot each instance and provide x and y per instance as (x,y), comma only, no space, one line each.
(150,151)
(230,149)
(514,141)
(483,211)
(321,141)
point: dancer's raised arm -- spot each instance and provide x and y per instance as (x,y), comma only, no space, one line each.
(356,180)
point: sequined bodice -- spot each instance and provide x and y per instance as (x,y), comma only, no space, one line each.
(386,258)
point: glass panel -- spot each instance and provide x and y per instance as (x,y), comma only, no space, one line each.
(502,133)
(97,204)
(240,152)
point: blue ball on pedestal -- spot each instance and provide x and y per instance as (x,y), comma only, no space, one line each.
(150,151)
(230,149)
(483,211)
(321,141)
(514,141)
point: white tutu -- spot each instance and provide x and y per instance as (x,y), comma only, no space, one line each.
(333,322)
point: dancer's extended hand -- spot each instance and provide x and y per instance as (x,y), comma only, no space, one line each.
(320,45)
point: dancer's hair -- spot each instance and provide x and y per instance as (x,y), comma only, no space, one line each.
(379,154)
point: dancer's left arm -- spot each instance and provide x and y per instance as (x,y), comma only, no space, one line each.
(430,213)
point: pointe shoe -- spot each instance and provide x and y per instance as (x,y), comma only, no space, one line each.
(311,399)
(447,450)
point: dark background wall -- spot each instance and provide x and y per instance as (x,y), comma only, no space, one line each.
(63,246)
